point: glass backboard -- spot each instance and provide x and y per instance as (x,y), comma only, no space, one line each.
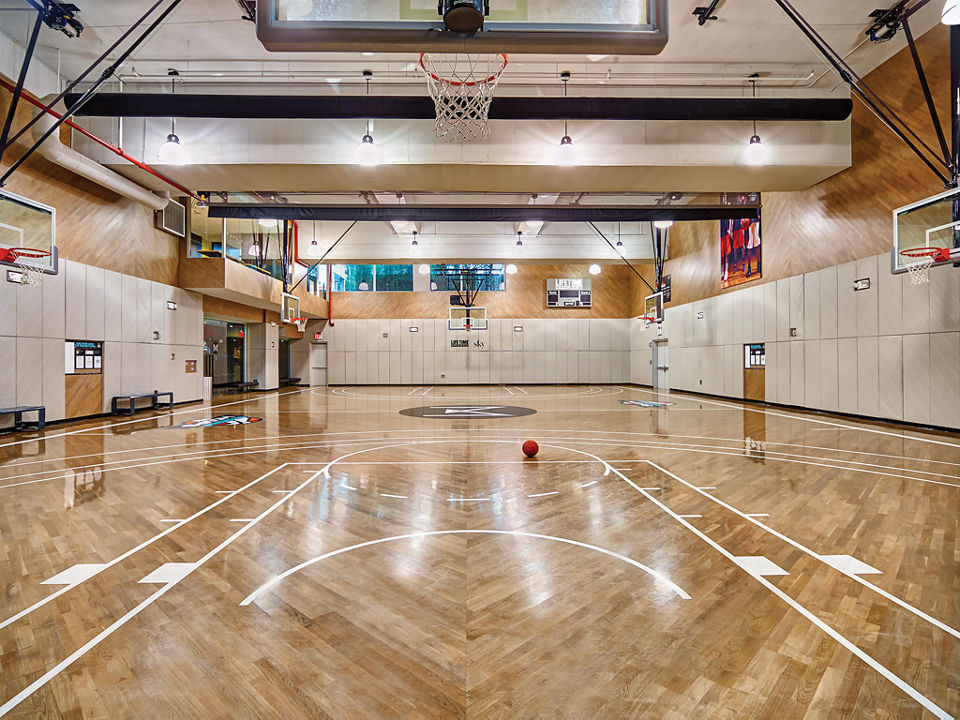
(933,222)
(26,224)
(627,27)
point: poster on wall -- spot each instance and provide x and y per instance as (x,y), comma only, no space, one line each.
(740,252)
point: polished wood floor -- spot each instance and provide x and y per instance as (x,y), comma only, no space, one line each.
(341,560)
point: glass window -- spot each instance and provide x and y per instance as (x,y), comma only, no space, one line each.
(485,277)
(394,277)
(352,278)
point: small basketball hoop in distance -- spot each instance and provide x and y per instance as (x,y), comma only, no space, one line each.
(918,262)
(462,87)
(31,274)
(301,323)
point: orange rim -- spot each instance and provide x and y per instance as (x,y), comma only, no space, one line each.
(471,83)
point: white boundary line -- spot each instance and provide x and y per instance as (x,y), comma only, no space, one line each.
(109,630)
(800,418)
(297,568)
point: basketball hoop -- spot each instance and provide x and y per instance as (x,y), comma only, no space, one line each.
(467,326)
(301,323)
(647,321)
(31,274)
(923,259)
(462,87)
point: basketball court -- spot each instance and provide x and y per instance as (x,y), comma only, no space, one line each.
(388,360)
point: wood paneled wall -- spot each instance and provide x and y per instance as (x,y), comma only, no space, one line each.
(848,216)
(94,225)
(525,297)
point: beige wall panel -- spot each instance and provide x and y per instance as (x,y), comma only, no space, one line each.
(112,372)
(129,306)
(30,370)
(54,305)
(847,375)
(827,286)
(866,300)
(944,388)
(868,376)
(891,377)
(8,380)
(916,308)
(810,330)
(53,378)
(944,299)
(889,299)
(94,304)
(916,378)
(112,300)
(783,310)
(796,373)
(812,374)
(847,321)
(76,293)
(829,380)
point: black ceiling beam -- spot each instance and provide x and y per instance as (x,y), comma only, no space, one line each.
(503,108)
(475,213)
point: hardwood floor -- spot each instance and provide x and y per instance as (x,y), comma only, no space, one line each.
(341,560)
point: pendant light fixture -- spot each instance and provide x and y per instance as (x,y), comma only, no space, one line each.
(368,154)
(566,153)
(756,153)
(518,248)
(171,152)
(415,249)
(951,13)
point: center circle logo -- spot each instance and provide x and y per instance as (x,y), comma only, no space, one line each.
(467,412)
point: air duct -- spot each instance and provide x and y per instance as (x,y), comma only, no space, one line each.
(59,154)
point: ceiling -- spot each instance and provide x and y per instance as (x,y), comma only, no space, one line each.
(209,42)
(215,51)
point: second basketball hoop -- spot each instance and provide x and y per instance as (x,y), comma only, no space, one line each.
(462,87)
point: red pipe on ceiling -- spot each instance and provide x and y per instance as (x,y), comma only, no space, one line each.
(143,166)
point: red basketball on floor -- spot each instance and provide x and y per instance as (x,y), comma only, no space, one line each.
(530,448)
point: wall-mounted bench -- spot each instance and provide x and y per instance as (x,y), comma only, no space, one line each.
(241,386)
(155,404)
(18,422)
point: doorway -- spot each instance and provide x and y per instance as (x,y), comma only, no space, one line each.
(754,372)
(223,349)
(660,361)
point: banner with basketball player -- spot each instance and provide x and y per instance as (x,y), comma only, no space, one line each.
(740,252)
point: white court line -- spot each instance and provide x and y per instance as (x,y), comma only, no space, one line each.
(241,519)
(521,390)
(544,494)
(468,500)
(400,497)
(509,390)
(803,548)
(146,543)
(753,515)
(414,390)
(202,408)
(811,420)
(853,648)
(690,516)
(427,391)
(650,571)
(592,482)
(109,630)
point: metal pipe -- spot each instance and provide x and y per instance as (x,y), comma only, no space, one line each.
(15,100)
(86,133)
(89,93)
(79,79)
(848,78)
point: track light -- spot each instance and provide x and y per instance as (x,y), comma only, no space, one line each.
(423,269)
(518,248)
(595,269)
(951,13)
(510,269)
(663,224)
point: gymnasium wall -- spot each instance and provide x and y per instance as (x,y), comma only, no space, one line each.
(525,296)
(85,302)
(92,222)
(586,350)
(891,352)
(848,216)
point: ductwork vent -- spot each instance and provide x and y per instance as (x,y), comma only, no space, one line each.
(173,219)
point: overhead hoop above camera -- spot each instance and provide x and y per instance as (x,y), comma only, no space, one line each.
(464,17)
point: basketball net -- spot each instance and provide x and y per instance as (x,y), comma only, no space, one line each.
(918,262)
(301,323)
(31,274)
(462,87)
